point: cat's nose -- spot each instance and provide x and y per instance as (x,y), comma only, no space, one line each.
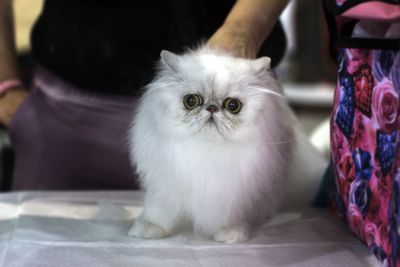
(212,108)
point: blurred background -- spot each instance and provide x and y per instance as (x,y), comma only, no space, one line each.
(307,71)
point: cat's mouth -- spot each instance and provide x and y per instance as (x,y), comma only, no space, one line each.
(211,126)
(211,120)
(211,123)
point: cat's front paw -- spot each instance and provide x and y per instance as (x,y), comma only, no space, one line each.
(231,235)
(147,230)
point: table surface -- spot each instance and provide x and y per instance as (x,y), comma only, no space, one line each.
(90,229)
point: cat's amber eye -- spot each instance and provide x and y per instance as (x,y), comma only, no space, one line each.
(192,101)
(232,105)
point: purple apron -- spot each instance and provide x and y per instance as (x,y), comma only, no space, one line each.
(65,138)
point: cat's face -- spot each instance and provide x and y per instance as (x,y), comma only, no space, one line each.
(208,95)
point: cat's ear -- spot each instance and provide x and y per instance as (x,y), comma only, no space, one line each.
(262,64)
(169,60)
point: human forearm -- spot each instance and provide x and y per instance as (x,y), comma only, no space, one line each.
(11,100)
(257,17)
(247,25)
(8,62)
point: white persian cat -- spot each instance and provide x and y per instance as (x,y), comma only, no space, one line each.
(217,148)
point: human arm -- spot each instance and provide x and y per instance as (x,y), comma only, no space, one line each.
(247,25)
(11,100)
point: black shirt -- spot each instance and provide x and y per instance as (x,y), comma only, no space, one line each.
(112,46)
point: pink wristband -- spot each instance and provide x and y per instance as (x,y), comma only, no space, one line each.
(8,85)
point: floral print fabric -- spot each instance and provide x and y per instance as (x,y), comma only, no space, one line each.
(365,134)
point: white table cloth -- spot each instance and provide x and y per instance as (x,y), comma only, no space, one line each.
(90,229)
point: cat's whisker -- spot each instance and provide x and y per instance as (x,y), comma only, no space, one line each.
(228,125)
(199,120)
(188,121)
(282,142)
(268,91)
(179,124)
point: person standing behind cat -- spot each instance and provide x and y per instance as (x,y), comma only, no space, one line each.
(68,131)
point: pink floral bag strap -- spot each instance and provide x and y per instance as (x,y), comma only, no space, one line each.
(388,10)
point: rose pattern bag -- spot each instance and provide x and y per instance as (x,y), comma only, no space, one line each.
(365,130)
(365,136)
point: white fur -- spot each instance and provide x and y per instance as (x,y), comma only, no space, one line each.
(221,178)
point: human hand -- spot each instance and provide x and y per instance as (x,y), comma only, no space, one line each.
(9,103)
(235,39)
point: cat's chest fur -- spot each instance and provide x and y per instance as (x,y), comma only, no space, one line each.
(209,178)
